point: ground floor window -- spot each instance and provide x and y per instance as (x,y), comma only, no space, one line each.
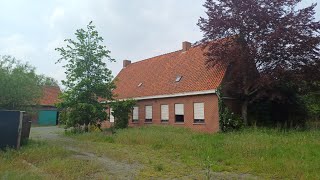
(198,110)
(164,113)
(135,114)
(179,113)
(148,114)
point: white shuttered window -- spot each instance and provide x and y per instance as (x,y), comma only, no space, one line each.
(198,109)
(135,114)
(111,116)
(179,109)
(164,112)
(149,113)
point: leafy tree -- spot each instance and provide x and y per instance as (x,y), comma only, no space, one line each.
(47,81)
(19,84)
(88,78)
(273,43)
(121,112)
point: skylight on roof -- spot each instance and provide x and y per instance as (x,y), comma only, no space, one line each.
(178,78)
(140,84)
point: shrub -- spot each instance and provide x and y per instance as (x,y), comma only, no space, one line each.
(228,120)
(121,112)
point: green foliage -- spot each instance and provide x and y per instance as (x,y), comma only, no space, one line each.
(47,81)
(121,112)
(228,121)
(312,101)
(88,78)
(20,86)
(83,114)
(290,112)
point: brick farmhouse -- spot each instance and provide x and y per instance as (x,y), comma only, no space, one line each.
(176,89)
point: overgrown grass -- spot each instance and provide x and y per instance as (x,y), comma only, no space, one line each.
(40,160)
(170,152)
(165,151)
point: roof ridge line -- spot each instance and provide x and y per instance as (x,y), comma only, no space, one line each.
(156,56)
(192,47)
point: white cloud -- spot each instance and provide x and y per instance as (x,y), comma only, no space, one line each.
(17,46)
(57,14)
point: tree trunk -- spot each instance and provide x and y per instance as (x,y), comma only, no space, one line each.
(86,127)
(244,112)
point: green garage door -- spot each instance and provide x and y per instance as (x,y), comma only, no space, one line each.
(47,118)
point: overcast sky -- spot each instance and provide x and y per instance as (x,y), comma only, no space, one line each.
(133,29)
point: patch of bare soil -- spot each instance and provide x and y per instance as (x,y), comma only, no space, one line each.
(115,169)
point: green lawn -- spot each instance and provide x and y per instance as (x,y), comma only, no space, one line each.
(264,153)
(169,152)
(40,160)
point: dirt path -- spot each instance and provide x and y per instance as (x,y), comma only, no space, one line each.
(46,133)
(114,169)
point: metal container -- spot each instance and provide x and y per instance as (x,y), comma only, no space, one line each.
(10,129)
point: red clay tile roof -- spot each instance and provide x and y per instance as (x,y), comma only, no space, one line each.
(50,95)
(158,75)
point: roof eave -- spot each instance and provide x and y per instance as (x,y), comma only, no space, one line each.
(193,93)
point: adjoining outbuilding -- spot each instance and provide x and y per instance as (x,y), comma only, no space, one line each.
(46,113)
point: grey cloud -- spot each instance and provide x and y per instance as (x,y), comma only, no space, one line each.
(132,29)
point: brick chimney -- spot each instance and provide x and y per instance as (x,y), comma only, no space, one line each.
(126,63)
(186,46)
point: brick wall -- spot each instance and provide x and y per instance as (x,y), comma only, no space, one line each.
(106,124)
(210,112)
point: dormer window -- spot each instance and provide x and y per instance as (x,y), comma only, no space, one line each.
(140,84)
(178,78)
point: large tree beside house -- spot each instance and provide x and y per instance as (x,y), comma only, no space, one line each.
(88,78)
(274,44)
